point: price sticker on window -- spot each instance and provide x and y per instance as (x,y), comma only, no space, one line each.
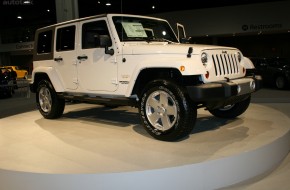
(133,29)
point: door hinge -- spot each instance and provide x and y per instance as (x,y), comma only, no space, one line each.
(75,81)
(114,81)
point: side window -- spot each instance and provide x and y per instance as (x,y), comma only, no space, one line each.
(44,42)
(65,38)
(91,33)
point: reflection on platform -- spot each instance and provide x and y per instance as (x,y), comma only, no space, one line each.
(102,145)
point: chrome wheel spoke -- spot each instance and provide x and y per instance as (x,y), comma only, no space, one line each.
(171,110)
(154,117)
(164,99)
(166,123)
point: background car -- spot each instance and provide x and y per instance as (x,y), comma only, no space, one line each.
(274,71)
(21,73)
(6,82)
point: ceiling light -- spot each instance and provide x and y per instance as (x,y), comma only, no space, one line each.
(19,17)
(108,3)
(27,2)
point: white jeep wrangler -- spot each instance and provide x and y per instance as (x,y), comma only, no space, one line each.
(119,59)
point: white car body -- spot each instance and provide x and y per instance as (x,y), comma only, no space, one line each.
(114,57)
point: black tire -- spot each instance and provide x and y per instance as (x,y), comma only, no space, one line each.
(280,82)
(9,92)
(48,103)
(232,111)
(166,111)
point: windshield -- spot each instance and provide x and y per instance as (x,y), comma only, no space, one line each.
(143,29)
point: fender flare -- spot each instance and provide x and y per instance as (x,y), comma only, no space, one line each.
(52,75)
(191,68)
(248,64)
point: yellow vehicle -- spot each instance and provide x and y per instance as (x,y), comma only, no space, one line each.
(21,73)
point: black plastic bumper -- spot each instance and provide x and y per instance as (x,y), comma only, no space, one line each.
(223,90)
(32,88)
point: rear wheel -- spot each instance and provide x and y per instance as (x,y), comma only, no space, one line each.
(9,92)
(166,111)
(49,104)
(233,110)
(280,82)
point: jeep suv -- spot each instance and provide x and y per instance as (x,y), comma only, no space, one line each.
(275,71)
(120,59)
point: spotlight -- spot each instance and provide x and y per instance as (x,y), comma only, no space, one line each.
(108,3)
(27,2)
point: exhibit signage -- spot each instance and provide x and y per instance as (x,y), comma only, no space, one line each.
(16,46)
(262,27)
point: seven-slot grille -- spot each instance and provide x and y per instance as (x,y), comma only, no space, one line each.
(225,64)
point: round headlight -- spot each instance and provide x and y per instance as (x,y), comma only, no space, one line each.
(204,58)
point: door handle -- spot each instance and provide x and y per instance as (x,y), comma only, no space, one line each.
(58,59)
(81,57)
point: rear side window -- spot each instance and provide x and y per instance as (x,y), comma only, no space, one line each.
(65,38)
(44,42)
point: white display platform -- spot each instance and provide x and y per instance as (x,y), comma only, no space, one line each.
(92,147)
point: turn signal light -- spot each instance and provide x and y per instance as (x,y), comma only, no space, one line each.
(182,68)
(207,75)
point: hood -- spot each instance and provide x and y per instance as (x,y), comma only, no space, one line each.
(165,48)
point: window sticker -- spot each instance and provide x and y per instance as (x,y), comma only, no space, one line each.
(134,29)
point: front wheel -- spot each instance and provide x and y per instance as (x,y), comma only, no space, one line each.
(48,103)
(233,110)
(166,111)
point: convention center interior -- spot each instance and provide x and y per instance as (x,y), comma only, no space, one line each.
(147,95)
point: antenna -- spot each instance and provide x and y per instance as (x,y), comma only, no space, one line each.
(121,6)
(122,29)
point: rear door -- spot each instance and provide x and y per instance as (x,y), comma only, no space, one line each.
(65,61)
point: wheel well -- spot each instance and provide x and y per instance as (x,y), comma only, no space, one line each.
(148,75)
(37,78)
(279,75)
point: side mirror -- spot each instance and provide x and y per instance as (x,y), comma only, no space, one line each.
(181,33)
(105,42)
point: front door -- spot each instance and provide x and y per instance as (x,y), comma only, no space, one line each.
(97,71)
(65,55)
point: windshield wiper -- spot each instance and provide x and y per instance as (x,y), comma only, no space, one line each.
(155,39)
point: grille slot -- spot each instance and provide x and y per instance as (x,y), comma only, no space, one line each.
(225,64)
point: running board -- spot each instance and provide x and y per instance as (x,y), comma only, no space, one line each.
(100,100)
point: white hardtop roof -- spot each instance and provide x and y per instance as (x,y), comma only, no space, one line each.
(98,16)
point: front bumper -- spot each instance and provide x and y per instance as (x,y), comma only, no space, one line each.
(219,91)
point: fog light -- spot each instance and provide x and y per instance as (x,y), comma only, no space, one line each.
(239,89)
(253,85)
